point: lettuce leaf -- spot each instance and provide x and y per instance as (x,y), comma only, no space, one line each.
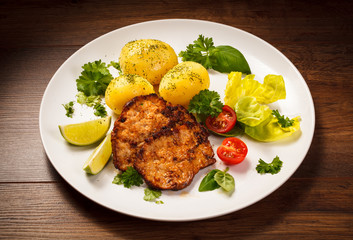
(270,130)
(250,112)
(249,98)
(271,90)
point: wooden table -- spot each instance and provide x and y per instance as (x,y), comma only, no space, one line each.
(38,36)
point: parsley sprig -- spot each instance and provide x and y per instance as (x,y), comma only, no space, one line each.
(282,120)
(94,78)
(274,167)
(205,103)
(131,178)
(115,65)
(201,52)
(151,195)
(128,178)
(99,110)
(69,107)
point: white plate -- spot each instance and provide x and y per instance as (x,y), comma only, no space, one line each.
(187,204)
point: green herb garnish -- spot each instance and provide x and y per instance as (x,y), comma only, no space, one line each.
(99,110)
(225,180)
(69,107)
(208,183)
(283,121)
(223,58)
(128,178)
(94,79)
(151,195)
(115,65)
(273,167)
(217,179)
(88,100)
(205,103)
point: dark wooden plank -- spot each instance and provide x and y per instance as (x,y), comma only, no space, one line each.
(33,23)
(301,208)
(26,73)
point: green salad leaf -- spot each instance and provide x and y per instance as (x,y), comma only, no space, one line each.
(94,78)
(249,98)
(271,90)
(270,130)
(250,112)
(221,58)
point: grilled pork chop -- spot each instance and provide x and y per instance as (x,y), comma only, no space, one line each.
(140,118)
(171,158)
(149,118)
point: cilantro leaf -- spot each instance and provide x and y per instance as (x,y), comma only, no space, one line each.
(128,178)
(206,103)
(224,59)
(94,79)
(69,108)
(273,167)
(151,195)
(100,110)
(283,121)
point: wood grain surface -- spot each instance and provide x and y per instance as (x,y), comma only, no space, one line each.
(38,36)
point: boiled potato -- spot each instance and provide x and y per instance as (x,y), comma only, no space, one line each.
(147,58)
(125,87)
(180,84)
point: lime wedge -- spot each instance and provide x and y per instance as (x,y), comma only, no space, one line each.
(86,133)
(100,156)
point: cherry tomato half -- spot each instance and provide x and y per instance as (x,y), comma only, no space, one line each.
(232,151)
(224,122)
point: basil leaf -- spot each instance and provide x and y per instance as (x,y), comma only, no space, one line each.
(225,180)
(208,183)
(229,59)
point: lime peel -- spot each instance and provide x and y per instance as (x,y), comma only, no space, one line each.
(86,133)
